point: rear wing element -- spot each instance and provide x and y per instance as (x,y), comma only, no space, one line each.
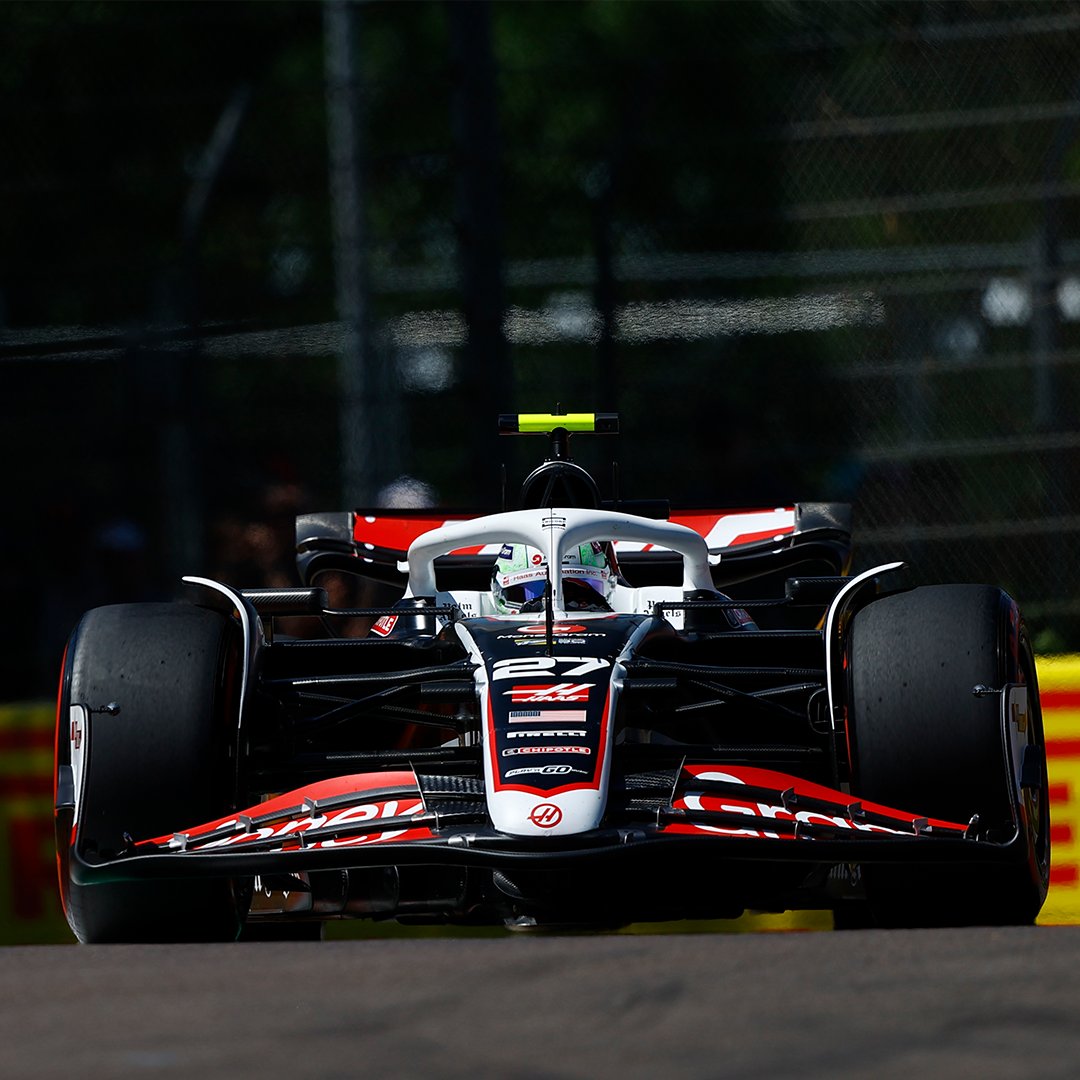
(741,543)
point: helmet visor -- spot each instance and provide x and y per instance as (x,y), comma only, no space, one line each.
(591,576)
(522,594)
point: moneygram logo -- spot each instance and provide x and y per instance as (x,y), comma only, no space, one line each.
(556,628)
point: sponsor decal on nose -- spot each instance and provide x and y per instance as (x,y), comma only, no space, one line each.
(549,692)
(514,751)
(547,716)
(544,733)
(545,815)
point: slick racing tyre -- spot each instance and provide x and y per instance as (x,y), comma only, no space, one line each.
(922,741)
(161,682)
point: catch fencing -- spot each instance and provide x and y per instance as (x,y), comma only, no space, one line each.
(808,251)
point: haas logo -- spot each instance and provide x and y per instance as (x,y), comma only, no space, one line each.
(545,815)
(550,692)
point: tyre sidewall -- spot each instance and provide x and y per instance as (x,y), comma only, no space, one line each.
(161,764)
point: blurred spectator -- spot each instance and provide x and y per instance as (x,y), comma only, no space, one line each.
(115,567)
(121,564)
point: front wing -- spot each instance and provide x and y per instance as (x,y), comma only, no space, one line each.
(400,817)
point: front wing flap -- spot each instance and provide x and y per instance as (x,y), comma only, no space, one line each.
(385,818)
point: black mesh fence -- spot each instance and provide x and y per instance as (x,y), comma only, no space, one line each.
(935,171)
(808,251)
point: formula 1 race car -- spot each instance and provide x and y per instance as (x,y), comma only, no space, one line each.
(576,713)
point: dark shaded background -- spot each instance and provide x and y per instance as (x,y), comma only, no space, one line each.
(806,250)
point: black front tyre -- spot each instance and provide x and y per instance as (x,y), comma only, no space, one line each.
(922,741)
(162,763)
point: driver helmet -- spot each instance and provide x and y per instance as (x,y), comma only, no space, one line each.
(520,576)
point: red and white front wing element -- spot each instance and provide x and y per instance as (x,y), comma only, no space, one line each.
(763,804)
(347,811)
(710,800)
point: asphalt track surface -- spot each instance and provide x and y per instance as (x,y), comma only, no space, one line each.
(968,1003)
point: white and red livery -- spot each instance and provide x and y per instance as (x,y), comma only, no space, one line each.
(740,723)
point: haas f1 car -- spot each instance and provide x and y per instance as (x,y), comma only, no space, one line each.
(576,713)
